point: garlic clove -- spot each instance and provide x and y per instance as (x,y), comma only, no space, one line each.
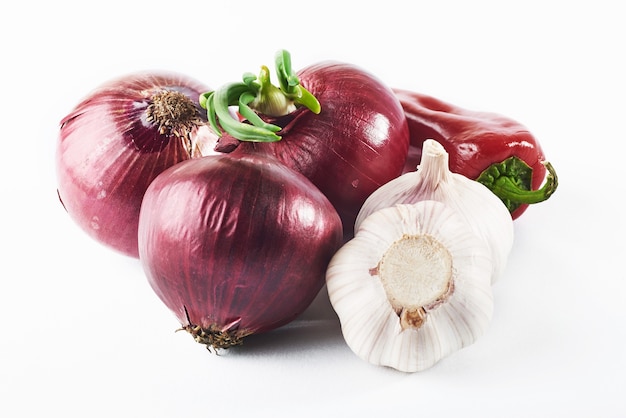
(433,180)
(412,287)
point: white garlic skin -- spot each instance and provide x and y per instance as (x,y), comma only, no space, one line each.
(370,325)
(433,180)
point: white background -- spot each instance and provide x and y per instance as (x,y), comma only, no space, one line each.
(82,334)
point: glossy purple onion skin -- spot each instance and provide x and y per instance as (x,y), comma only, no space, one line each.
(237,243)
(108,154)
(356,144)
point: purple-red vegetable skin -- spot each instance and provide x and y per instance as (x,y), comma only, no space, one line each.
(358,142)
(117,140)
(235,244)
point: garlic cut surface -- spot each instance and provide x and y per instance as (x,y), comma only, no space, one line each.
(433,180)
(412,287)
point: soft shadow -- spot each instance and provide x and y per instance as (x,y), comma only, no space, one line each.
(320,309)
(317,326)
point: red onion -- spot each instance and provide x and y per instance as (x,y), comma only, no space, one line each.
(117,140)
(235,244)
(349,144)
(357,143)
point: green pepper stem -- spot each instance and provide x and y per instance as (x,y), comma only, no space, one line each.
(254,96)
(511,181)
(505,188)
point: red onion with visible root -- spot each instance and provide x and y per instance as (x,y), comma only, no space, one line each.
(235,244)
(117,140)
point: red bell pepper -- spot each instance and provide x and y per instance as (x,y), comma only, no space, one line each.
(490,148)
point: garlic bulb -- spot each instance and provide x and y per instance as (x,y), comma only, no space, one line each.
(412,286)
(433,180)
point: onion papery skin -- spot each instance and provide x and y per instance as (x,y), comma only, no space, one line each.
(358,142)
(108,152)
(236,245)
